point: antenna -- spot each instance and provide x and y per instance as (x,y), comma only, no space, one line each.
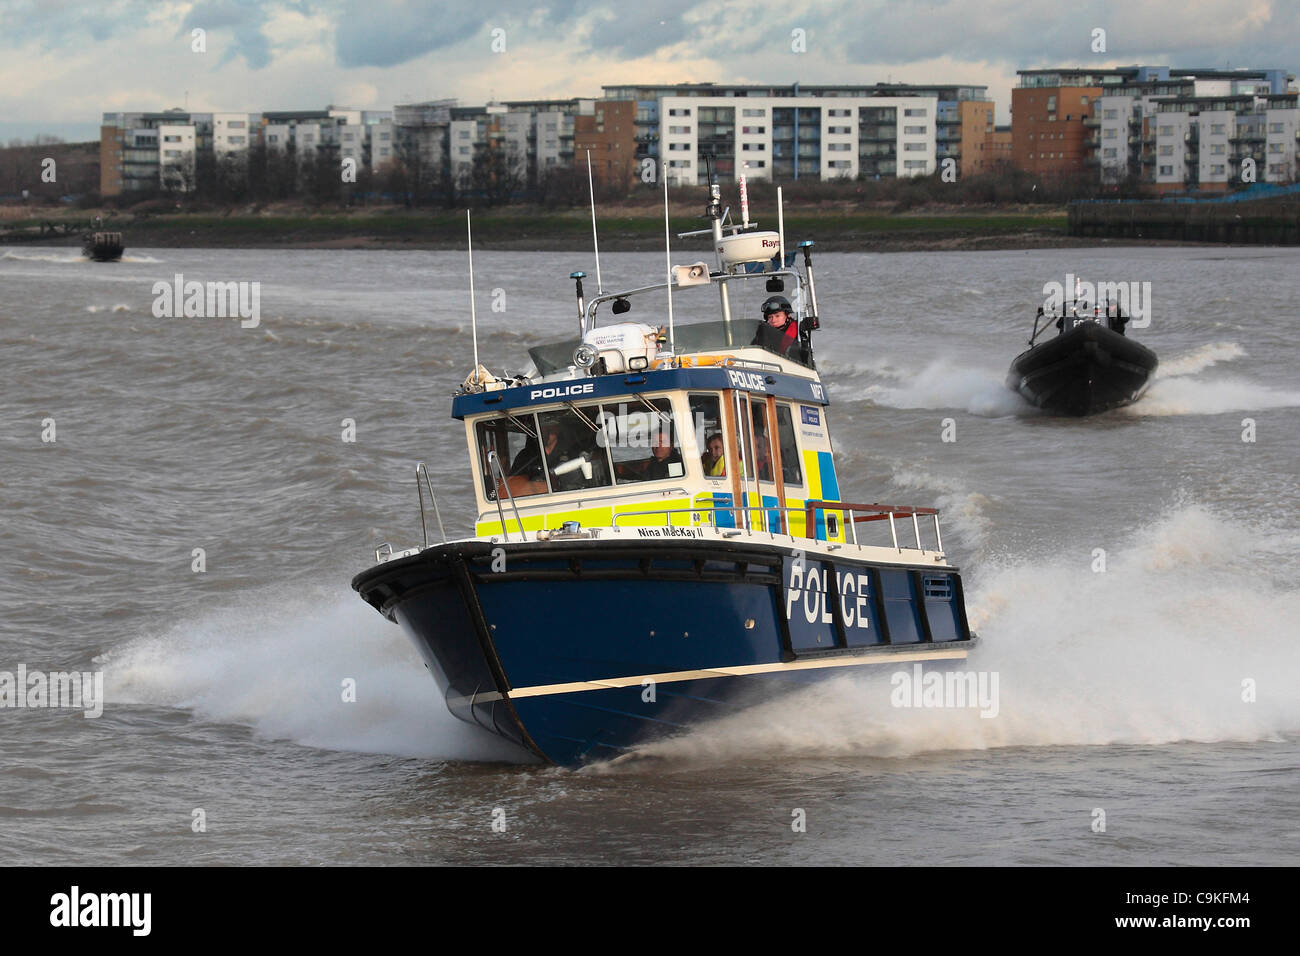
(668,260)
(780,222)
(591,191)
(473,318)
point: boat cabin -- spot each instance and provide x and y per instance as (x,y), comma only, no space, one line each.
(621,427)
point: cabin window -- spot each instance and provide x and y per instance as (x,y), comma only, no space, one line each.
(535,449)
(790,471)
(706,417)
(762,440)
(642,440)
(516,444)
(573,446)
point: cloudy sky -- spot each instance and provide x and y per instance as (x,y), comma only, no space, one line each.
(62,64)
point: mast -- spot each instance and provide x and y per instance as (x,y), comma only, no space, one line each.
(714,212)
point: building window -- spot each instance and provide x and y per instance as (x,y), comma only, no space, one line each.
(840,164)
(236,124)
(679,147)
(1216,170)
(1166,151)
(680,112)
(1275,147)
(838,147)
(1275,127)
(679,163)
(1166,170)
(913,147)
(839,129)
(1111,114)
(757,147)
(1109,134)
(914,164)
(464,151)
(752,113)
(753,130)
(1166,131)
(1216,129)
(914,130)
(679,130)
(916,112)
(1109,153)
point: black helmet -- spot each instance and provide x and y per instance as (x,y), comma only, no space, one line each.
(777,303)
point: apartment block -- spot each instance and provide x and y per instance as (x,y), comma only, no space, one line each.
(234,133)
(784,138)
(799,131)
(608,135)
(1213,143)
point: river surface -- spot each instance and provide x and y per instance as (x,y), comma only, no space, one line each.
(1133,576)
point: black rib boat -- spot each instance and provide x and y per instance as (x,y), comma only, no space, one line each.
(1089,366)
(102,246)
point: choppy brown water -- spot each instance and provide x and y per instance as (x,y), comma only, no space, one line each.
(1119,691)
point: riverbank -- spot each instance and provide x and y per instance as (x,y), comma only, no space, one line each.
(620,230)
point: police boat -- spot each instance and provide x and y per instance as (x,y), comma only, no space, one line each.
(660,536)
(1089,366)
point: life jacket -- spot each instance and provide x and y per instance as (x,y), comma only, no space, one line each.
(790,334)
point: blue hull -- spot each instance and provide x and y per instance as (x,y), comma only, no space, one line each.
(581,650)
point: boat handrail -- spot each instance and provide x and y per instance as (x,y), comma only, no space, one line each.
(879,512)
(711,509)
(874,512)
(578,503)
(494,466)
(420,469)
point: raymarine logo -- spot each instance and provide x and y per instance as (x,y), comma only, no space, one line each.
(747,380)
(102,909)
(562,391)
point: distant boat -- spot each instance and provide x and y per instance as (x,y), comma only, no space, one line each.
(102,246)
(1090,366)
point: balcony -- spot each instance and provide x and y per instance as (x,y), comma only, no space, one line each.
(1091,122)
